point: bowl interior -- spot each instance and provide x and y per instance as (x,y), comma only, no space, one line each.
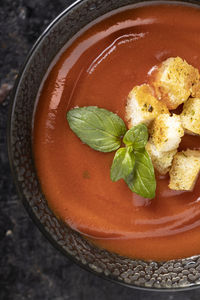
(174,274)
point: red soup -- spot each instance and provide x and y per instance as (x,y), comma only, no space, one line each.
(100,68)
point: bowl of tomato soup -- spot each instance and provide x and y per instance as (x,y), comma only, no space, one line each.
(92,55)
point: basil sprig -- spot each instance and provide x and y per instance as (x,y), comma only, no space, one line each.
(103,131)
(142,179)
(123,164)
(97,127)
(136,137)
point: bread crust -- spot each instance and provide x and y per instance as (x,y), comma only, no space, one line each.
(185,170)
(190,116)
(166,132)
(142,106)
(175,81)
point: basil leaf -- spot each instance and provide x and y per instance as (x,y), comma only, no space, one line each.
(137,136)
(142,180)
(97,127)
(123,164)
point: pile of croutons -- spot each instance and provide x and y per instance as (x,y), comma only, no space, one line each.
(174,82)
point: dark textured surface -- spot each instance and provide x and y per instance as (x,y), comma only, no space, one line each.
(30,267)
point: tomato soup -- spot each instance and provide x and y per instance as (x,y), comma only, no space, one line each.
(100,68)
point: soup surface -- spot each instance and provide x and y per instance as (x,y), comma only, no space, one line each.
(100,68)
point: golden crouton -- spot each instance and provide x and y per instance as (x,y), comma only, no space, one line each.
(175,81)
(184,171)
(162,161)
(196,90)
(166,132)
(142,106)
(190,116)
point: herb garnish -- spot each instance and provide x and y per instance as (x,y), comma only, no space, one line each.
(97,127)
(103,131)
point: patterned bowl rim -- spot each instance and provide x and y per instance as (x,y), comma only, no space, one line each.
(19,189)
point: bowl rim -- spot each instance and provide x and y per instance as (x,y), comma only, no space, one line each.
(13,99)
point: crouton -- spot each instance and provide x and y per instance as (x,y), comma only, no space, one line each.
(142,106)
(166,132)
(196,90)
(174,82)
(162,161)
(190,116)
(184,171)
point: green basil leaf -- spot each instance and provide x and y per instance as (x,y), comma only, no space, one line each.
(99,128)
(142,180)
(123,164)
(137,136)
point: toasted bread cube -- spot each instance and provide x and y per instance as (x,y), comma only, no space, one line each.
(190,116)
(142,106)
(175,81)
(166,132)
(162,161)
(184,171)
(196,90)
(189,152)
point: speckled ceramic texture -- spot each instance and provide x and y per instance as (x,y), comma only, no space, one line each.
(175,274)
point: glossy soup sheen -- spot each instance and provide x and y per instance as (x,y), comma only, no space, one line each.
(100,68)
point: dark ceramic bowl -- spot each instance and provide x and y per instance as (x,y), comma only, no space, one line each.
(170,275)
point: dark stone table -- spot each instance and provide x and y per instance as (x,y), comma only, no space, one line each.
(30,268)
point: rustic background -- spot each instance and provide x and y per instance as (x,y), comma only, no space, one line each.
(30,268)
